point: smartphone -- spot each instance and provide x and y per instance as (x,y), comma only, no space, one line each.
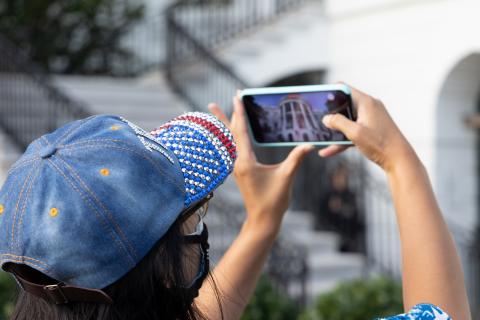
(288,116)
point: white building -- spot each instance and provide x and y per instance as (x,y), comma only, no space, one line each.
(297,120)
(421,58)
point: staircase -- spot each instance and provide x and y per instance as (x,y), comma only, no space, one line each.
(146,102)
(29,105)
(326,267)
(310,258)
(214,51)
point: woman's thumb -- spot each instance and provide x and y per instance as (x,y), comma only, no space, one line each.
(340,123)
(295,158)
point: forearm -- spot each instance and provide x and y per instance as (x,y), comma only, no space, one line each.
(431,268)
(237,273)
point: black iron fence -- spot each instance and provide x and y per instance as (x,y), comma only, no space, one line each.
(214,23)
(195,73)
(194,29)
(29,105)
(383,250)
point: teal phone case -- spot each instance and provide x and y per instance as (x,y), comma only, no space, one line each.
(294,89)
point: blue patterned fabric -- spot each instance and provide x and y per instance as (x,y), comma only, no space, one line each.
(422,312)
(204,148)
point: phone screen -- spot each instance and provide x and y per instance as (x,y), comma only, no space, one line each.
(296,117)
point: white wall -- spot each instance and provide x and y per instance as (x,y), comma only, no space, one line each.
(456,150)
(402,52)
(413,56)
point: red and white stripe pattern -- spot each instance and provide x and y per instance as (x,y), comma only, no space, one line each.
(205,150)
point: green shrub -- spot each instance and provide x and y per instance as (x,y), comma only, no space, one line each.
(358,300)
(268,303)
(7,293)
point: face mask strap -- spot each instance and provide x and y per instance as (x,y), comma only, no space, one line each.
(202,240)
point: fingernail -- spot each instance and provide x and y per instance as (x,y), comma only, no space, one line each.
(326,119)
(309,147)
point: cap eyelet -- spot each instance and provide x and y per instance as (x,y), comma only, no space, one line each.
(105,172)
(2,209)
(53,212)
(115,127)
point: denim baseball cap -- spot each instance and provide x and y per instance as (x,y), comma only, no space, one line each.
(85,203)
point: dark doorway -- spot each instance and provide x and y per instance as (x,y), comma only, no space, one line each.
(335,205)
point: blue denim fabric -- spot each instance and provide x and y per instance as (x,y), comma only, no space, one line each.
(104,221)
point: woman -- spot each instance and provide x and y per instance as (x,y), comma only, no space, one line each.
(432,274)
(102,220)
(163,284)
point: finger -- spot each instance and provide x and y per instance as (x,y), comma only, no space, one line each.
(357,96)
(239,122)
(217,112)
(332,150)
(290,165)
(340,123)
(239,111)
(240,131)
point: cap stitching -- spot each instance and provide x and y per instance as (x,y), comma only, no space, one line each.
(22,164)
(110,216)
(67,134)
(91,140)
(88,202)
(9,191)
(22,214)
(46,140)
(159,169)
(24,257)
(33,264)
(164,150)
(12,238)
(152,143)
(36,145)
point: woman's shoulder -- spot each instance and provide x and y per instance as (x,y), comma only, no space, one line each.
(422,312)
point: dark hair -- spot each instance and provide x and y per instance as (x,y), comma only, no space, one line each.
(151,290)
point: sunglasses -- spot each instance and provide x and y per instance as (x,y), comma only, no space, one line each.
(199,208)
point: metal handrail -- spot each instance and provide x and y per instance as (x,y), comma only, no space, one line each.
(29,104)
(189,55)
(195,30)
(190,52)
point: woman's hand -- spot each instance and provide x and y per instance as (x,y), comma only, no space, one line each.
(374,133)
(431,270)
(266,189)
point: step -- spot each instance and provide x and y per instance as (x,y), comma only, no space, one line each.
(327,272)
(276,50)
(146,103)
(335,265)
